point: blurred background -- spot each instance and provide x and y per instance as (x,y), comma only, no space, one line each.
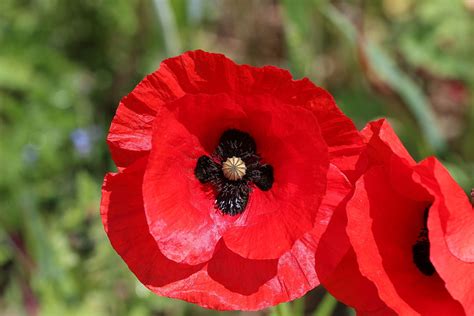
(64,66)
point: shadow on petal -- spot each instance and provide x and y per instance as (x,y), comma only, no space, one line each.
(238,274)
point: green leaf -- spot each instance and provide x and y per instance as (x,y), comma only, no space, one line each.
(388,71)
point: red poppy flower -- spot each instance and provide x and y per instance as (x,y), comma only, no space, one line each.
(228,175)
(411,232)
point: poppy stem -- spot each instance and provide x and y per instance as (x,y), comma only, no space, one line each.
(327,306)
(283,309)
(298,306)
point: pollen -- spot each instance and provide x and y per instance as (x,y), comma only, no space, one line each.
(234,168)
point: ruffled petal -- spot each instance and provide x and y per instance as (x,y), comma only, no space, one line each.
(382,227)
(130,132)
(296,273)
(199,72)
(348,285)
(455,210)
(124,221)
(383,143)
(333,205)
(406,181)
(383,224)
(458,275)
(180,210)
(337,265)
(339,272)
(163,222)
(345,143)
(302,260)
(299,158)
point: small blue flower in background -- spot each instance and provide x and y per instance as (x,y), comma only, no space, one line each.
(30,154)
(84,139)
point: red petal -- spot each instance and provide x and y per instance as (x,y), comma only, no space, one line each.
(344,141)
(305,248)
(129,136)
(382,227)
(406,181)
(456,212)
(257,100)
(298,155)
(338,271)
(205,73)
(233,282)
(457,274)
(333,203)
(263,282)
(180,210)
(281,215)
(252,273)
(348,285)
(297,267)
(385,148)
(124,221)
(382,143)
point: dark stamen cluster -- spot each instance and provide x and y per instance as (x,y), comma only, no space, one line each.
(421,249)
(232,195)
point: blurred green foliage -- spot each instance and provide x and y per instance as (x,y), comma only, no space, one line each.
(64,65)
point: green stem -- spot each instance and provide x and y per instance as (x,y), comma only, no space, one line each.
(327,306)
(283,309)
(298,306)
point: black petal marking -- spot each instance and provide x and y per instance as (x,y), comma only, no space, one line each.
(232,195)
(232,198)
(236,143)
(262,177)
(206,169)
(421,249)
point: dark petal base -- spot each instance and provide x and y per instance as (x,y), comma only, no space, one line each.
(421,250)
(236,143)
(262,177)
(206,169)
(421,256)
(232,196)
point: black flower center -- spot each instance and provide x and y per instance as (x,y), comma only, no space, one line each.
(421,249)
(232,169)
